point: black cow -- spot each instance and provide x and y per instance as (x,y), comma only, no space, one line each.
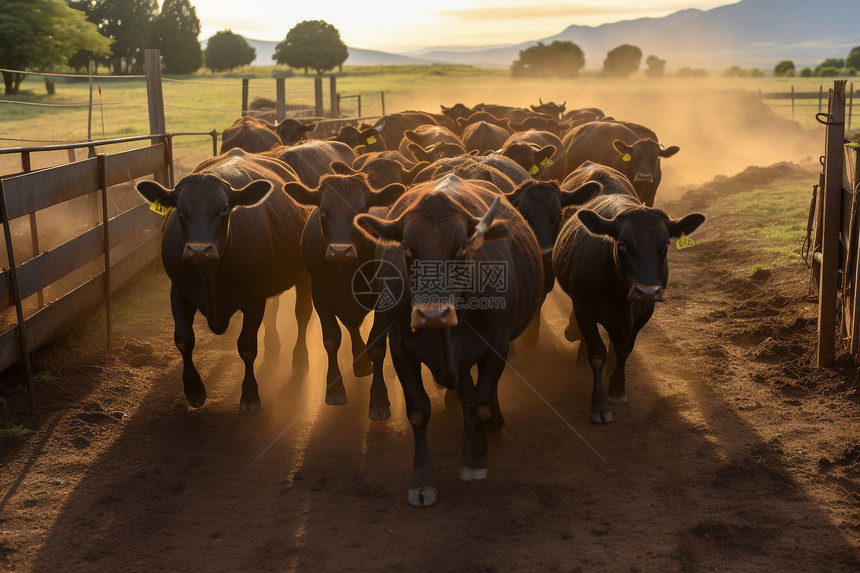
(618,146)
(611,260)
(541,204)
(449,325)
(333,251)
(231,242)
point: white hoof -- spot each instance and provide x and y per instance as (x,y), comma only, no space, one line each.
(469,474)
(422,496)
(601,418)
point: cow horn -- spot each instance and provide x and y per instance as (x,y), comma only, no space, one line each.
(379,126)
(540,101)
(477,238)
(564,103)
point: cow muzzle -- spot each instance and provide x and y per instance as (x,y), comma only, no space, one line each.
(645,293)
(643,177)
(340,252)
(200,252)
(436,315)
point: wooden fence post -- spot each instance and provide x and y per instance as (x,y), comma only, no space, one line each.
(155,98)
(332,92)
(318,97)
(382,99)
(244,95)
(834,157)
(820,96)
(281,91)
(792,103)
(850,106)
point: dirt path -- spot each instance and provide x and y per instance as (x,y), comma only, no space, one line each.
(732,454)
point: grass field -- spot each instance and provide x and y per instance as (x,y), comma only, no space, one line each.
(205,102)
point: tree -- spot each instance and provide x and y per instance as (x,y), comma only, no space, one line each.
(853,59)
(784,69)
(735,72)
(313,44)
(176,30)
(226,50)
(623,61)
(656,67)
(806,73)
(558,59)
(130,24)
(42,34)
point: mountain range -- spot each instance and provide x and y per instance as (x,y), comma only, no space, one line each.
(749,33)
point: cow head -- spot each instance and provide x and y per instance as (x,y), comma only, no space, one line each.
(203,204)
(529,156)
(640,239)
(371,138)
(640,162)
(339,199)
(550,108)
(433,231)
(486,117)
(293,131)
(436,151)
(456,111)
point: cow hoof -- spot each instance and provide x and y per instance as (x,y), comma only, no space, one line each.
(422,496)
(452,399)
(249,407)
(619,399)
(379,413)
(197,400)
(601,418)
(335,399)
(469,474)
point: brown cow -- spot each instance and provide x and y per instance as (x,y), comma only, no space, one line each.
(250,134)
(313,159)
(539,152)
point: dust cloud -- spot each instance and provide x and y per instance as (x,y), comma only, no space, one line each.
(720,131)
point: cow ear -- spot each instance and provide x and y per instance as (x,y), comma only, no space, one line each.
(622,147)
(596,224)
(153,191)
(386,196)
(685,225)
(506,124)
(410,135)
(379,229)
(309,127)
(342,168)
(544,153)
(301,194)
(250,194)
(669,151)
(581,195)
(419,152)
(408,176)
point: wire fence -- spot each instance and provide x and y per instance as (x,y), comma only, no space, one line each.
(802,106)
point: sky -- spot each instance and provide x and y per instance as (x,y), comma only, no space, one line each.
(401,25)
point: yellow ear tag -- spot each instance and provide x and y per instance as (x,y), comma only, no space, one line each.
(371,140)
(534,169)
(685,242)
(158,207)
(626,157)
(546,161)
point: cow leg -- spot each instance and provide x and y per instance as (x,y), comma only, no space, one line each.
(600,413)
(271,340)
(335,394)
(618,378)
(423,490)
(572,334)
(483,408)
(183,337)
(361,363)
(304,307)
(247,346)
(380,407)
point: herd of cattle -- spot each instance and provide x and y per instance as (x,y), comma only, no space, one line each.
(451,210)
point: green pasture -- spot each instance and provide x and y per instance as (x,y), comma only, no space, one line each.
(205,101)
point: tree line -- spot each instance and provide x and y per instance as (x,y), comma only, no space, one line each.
(565,59)
(48,35)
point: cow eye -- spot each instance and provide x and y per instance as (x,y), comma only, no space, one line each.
(225,211)
(622,246)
